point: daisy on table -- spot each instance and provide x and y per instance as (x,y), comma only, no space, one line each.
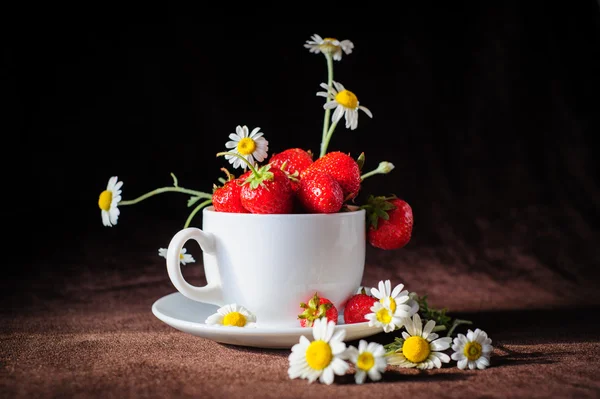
(473,350)
(369,360)
(232,315)
(421,348)
(321,358)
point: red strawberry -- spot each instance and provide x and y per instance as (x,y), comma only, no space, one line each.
(295,160)
(357,307)
(316,308)
(391,222)
(320,193)
(227,197)
(342,167)
(267,191)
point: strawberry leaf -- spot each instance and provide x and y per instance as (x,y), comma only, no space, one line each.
(377,208)
(361,160)
(258,178)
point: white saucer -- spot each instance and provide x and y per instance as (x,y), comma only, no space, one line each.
(188,316)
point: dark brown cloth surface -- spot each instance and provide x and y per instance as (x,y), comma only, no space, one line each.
(87,330)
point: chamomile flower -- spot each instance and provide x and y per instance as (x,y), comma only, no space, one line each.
(473,351)
(323,357)
(232,315)
(251,146)
(382,315)
(329,46)
(421,348)
(108,201)
(397,296)
(345,103)
(369,360)
(183,257)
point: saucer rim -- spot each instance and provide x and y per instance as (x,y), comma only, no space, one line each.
(246,330)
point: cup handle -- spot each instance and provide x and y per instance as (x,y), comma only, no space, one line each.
(211,292)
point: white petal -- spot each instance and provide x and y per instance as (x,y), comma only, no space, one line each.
(397,290)
(410,327)
(105,219)
(337,114)
(339,366)
(482,362)
(366,111)
(330,104)
(339,87)
(441,344)
(327,376)
(231,144)
(428,328)
(234,137)
(458,356)
(462,363)
(417,324)
(254,132)
(442,356)
(360,376)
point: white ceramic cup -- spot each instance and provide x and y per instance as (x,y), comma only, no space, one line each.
(271,263)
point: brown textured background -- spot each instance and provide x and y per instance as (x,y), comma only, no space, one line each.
(488,112)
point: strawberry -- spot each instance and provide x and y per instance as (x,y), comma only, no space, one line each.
(295,160)
(267,191)
(391,222)
(227,197)
(320,193)
(316,308)
(357,307)
(342,167)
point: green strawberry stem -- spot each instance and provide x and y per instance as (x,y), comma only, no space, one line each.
(254,171)
(196,194)
(195,211)
(258,176)
(382,169)
(329,59)
(325,143)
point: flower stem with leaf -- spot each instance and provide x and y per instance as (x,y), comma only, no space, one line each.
(196,195)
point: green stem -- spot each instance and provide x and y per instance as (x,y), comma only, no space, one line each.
(456,323)
(327,138)
(243,159)
(369,174)
(195,211)
(152,193)
(329,59)
(438,328)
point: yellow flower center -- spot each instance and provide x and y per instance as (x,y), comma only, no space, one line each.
(234,319)
(105,200)
(365,361)
(327,47)
(392,304)
(180,256)
(384,316)
(347,99)
(472,350)
(246,146)
(416,349)
(318,355)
